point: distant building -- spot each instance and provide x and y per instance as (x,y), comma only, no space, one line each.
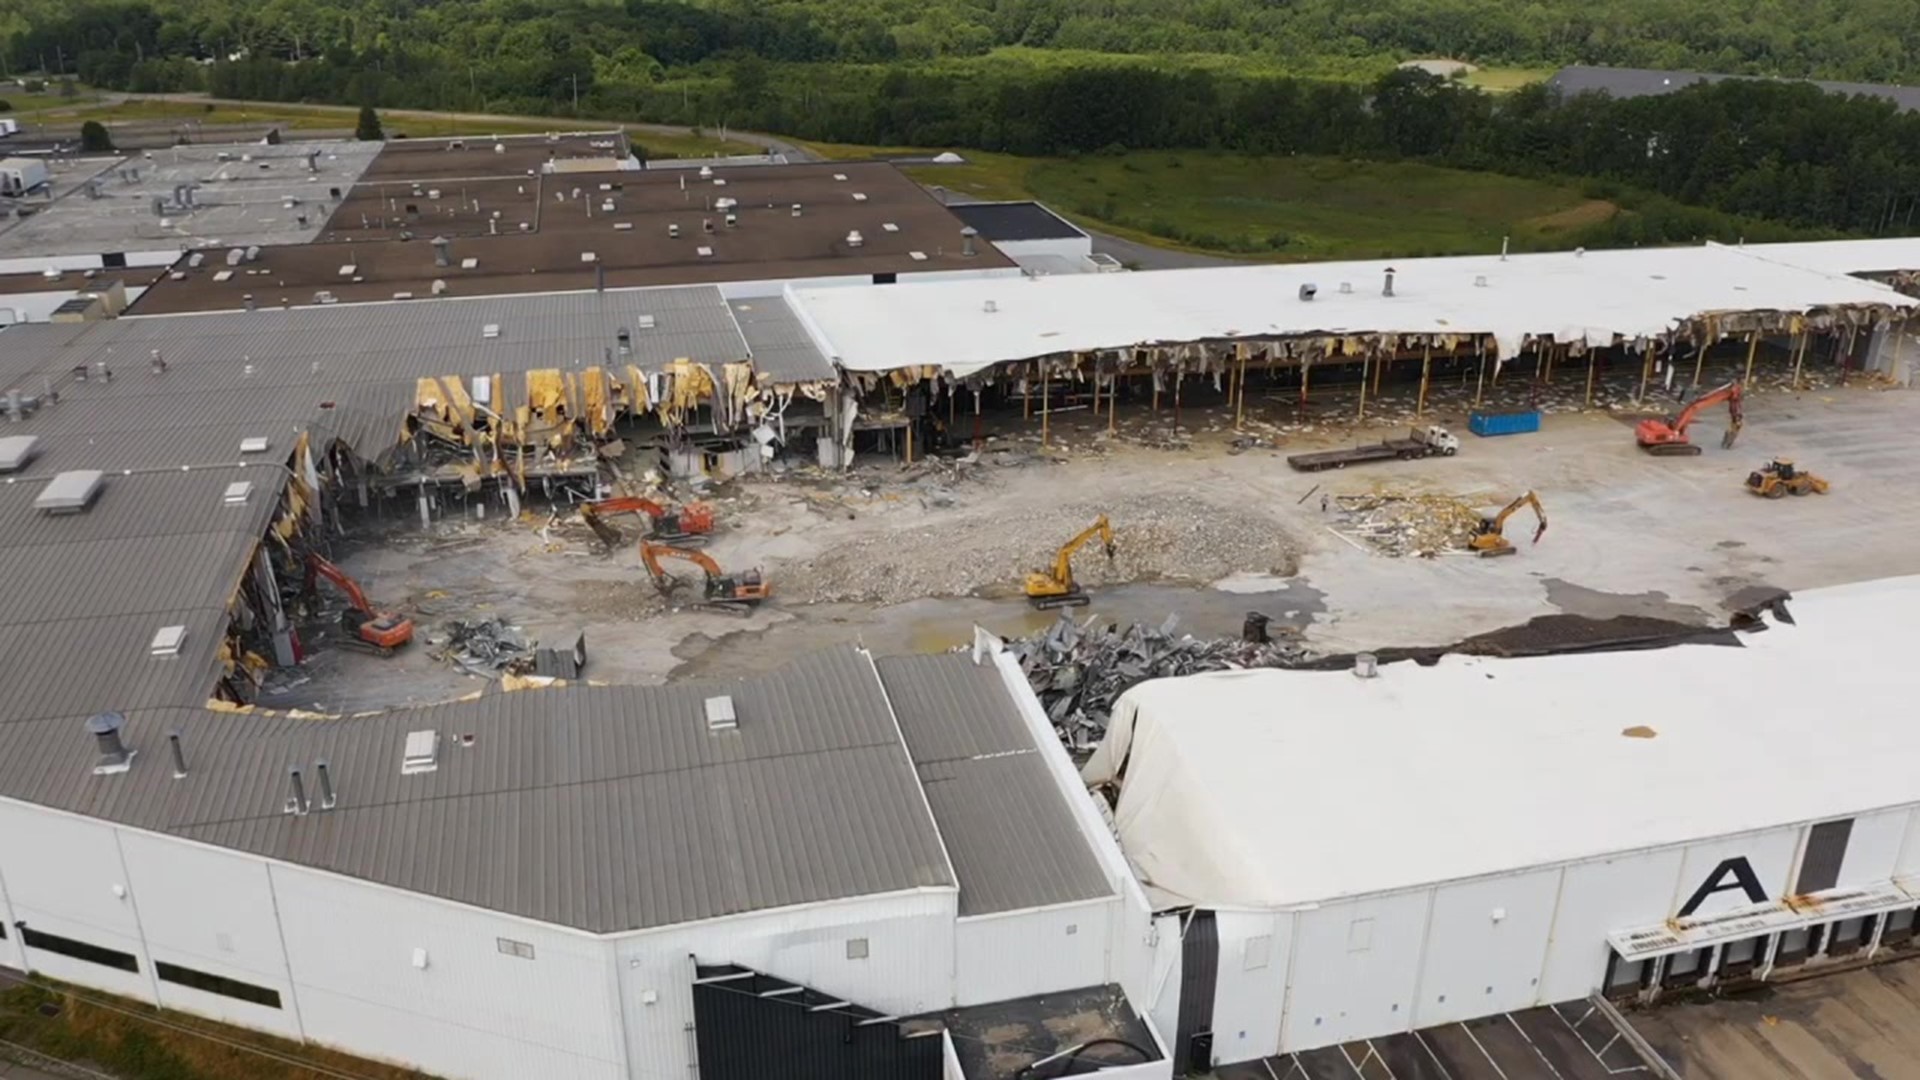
(1642,82)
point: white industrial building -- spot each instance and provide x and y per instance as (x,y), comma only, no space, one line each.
(1437,843)
(538,884)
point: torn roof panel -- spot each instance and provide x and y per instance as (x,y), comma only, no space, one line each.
(968,326)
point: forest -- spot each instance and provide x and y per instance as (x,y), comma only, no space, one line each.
(1007,75)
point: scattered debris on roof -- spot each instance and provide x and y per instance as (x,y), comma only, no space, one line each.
(1078,670)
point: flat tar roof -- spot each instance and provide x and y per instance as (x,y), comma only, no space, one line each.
(1574,296)
(1016,221)
(1258,788)
(641,228)
(249,194)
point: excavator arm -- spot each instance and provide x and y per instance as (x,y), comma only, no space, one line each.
(1731,393)
(1669,435)
(652,554)
(693,519)
(1529,499)
(1063,559)
(318,567)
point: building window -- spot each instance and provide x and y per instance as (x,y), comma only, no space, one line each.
(521,949)
(79,950)
(856,948)
(216,984)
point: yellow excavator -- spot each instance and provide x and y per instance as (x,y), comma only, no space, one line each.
(1055,588)
(1490,539)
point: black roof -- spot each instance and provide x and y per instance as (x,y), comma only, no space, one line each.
(1016,221)
(1641,82)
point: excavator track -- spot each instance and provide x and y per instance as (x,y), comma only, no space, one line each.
(1674,450)
(1053,603)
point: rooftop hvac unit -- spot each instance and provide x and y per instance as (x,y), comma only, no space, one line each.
(720,714)
(70,492)
(237,493)
(257,444)
(17,451)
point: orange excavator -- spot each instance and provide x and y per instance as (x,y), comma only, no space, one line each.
(1668,436)
(378,632)
(728,594)
(688,525)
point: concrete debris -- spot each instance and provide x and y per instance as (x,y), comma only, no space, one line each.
(1406,523)
(1078,670)
(488,648)
(1173,538)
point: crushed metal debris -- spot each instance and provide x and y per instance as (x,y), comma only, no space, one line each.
(488,648)
(1078,670)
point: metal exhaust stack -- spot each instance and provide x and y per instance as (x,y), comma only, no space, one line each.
(440,256)
(114,755)
(297,804)
(327,798)
(1388,290)
(966,241)
(179,755)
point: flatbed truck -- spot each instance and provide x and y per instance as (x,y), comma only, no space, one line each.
(1431,441)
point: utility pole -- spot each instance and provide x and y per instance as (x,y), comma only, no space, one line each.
(576,94)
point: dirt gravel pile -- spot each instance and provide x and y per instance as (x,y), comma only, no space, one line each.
(1164,538)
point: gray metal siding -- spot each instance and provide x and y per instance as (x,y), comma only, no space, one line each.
(1008,829)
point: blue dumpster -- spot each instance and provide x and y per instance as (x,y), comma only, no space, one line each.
(1487,422)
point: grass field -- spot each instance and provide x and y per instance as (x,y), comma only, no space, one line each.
(1311,208)
(1288,208)
(1498,80)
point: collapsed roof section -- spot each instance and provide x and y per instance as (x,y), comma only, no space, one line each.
(1341,310)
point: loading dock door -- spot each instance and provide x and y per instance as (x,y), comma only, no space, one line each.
(1199,974)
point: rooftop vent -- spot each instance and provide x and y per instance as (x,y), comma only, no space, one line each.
(703,252)
(967,235)
(645,322)
(839,176)
(706,172)
(70,492)
(588,256)
(1346,288)
(1387,290)
(1480,281)
(17,451)
(917,256)
(854,239)
(1365,665)
(237,493)
(1309,291)
(422,753)
(490,331)
(114,755)
(167,641)
(440,245)
(888,226)
(673,232)
(859,196)
(720,714)
(179,755)
(255,445)
(796,209)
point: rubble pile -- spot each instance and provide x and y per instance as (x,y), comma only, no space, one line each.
(1078,670)
(1406,523)
(488,648)
(1159,538)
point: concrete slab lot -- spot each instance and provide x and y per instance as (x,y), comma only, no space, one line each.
(1856,1024)
(1567,1042)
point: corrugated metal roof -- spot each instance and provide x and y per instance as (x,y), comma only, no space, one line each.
(1007,826)
(603,808)
(782,350)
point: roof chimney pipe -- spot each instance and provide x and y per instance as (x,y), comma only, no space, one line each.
(1503,248)
(440,257)
(297,804)
(179,755)
(1388,290)
(114,755)
(599,276)
(327,799)
(966,240)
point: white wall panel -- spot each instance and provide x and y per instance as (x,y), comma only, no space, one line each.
(474,1013)
(908,967)
(211,911)
(1772,855)
(1874,847)
(1250,992)
(1486,943)
(1354,968)
(998,957)
(61,874)
(1597,898)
